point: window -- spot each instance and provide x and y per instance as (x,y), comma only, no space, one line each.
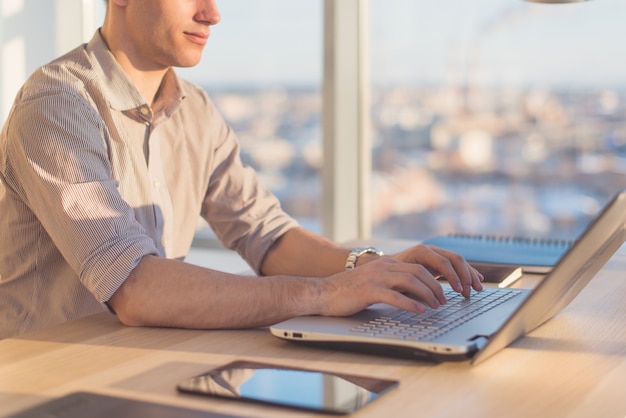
(495,117)
(262,68)
(33,33)
(487,117)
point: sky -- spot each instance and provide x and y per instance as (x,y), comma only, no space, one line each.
(416,41)
(502,40)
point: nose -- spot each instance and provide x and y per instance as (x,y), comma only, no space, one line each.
(208,12)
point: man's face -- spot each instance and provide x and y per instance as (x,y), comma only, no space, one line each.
(169,32)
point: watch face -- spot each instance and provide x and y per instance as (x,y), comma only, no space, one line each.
(372,250)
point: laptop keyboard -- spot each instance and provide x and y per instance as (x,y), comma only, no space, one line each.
(433,323)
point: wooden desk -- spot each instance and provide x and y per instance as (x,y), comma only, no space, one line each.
(573,366)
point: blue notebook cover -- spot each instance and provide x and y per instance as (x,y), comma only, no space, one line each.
(533,255)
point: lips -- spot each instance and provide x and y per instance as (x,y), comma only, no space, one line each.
(199,38)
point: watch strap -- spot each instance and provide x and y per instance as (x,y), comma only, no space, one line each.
(354,255)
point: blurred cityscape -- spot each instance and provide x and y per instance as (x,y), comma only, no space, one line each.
(532,163)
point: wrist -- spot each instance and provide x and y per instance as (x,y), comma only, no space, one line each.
(361,253)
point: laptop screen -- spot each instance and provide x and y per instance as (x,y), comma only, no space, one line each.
(571,274)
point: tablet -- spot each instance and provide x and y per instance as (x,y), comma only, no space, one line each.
(288,387)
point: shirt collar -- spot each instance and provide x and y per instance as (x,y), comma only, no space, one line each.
(121,92)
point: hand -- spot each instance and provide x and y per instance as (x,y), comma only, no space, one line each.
(408,286)
(453,267)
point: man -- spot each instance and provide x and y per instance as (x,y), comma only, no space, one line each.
(107,158)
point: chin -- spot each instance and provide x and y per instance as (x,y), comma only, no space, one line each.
(186,63)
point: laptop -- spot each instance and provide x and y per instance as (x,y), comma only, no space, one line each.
(470,332)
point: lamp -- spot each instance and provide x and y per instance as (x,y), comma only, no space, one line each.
(555,1)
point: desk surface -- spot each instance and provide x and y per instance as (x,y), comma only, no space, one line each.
(573,366)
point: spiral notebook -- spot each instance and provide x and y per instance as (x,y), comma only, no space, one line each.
(533,255)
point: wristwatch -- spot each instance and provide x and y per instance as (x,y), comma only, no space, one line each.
(354,255)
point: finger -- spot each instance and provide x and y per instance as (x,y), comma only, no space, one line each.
(417,281)
(444,266)
(468,276)
(437,261)
(461,276)
(477,279)
(402,301)
(409,279)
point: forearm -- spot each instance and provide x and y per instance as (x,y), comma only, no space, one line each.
(163,292)
(302,253)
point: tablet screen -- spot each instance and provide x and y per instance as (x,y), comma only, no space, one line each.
(297,388)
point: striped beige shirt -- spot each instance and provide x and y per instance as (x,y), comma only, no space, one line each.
(92,179)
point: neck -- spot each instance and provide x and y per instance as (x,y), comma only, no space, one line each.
(147,80)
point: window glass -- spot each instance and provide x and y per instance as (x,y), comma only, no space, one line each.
(504,118)
(262,67)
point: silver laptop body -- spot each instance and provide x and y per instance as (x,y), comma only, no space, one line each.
(476,336)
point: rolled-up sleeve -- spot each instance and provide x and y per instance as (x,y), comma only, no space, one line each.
(58,142)
(245,216)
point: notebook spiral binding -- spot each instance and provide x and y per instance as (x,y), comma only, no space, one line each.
(514,239)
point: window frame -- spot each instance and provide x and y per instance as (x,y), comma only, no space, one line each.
(345,118)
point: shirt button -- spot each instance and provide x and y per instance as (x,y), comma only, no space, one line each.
(156,184)
(144,110)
